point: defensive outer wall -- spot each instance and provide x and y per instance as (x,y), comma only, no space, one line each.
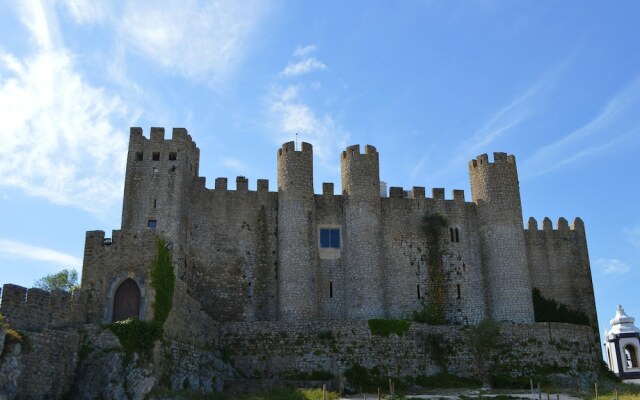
(254,280)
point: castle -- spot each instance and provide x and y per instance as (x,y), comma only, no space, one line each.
(261,262)
(295,255)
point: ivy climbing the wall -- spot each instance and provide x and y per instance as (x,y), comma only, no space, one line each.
(138,336)
(433,309)
(548,310)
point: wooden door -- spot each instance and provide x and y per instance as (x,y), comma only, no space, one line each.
(126,301)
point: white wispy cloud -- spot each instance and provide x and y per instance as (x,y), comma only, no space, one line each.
(633,236)
(289,114)
(303,67)
(303,51)
(13,249)
(614,124)
(198,39)
(88,11)
(612,266)
(58,136)
(503,121)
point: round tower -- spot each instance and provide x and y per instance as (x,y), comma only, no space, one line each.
(496,192)
(297,249)
(362,233)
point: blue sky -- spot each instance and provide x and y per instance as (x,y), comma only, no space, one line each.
(431,84)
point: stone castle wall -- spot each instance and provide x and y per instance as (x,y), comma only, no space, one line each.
(36,309)
(559,264)
(274,350)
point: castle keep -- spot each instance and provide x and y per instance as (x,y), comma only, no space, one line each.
(254,267)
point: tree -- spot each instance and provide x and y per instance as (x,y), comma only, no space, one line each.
(66,280)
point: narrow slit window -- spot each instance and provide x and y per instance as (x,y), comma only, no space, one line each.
(451,235)
(156,156)
(330,289)
(173,156)
(464,267)
(152,223)
(139,156)
(418,290)
(459,293)
(155,203)
(250,290)
(457,235)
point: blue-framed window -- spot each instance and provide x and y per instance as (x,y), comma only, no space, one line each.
(330,238)
(152,223)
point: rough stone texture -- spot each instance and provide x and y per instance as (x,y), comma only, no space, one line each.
(42,366)
(270,350)
(496,191)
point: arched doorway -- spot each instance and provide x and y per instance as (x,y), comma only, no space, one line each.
(126,301)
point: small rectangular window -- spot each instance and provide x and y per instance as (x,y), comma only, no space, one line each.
(156,156)
(139,156)
(330,238)
(151,223)
(173,156)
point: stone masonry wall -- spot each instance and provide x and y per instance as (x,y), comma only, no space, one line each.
(271,350)
(559,264)
(36,309)
(109,263)
(232,262)
(405,252)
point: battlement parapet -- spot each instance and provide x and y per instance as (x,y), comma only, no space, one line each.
(290,147)
(354,151)
(35,309)
(418,192)
(157,134)
(498,158)
(242,185)
(562,225)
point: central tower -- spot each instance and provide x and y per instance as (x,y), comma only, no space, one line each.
(362,236)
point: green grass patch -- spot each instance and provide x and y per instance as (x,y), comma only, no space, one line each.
(12,335)
(385,327)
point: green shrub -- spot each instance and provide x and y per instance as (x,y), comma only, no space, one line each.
(12,335)
(446,380)
(367,379)
(385,327)
(547,310)
(137,336)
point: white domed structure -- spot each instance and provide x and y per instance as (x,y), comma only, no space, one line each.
(623,345)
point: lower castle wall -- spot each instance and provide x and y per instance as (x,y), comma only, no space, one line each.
(269,350)
(42,366)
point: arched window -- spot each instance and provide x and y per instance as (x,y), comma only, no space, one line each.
(452,236)
(457,235)
(126,301)
(631,355)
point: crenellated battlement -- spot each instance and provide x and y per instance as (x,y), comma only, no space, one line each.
(35,309)
(354,151)
(562,225)
(498,158)
(290,147)
(157,135)
(418,192)
(242,185)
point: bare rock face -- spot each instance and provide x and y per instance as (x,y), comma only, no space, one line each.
(140,381)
